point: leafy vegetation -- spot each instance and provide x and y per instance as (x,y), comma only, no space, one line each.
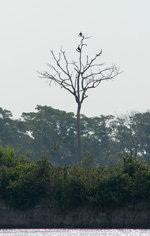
(104,138)
(103,178)
(23,182)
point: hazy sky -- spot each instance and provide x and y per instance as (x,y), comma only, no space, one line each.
(30,28)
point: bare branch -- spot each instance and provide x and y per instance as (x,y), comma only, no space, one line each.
(82,80)
(89,64)
(58,62)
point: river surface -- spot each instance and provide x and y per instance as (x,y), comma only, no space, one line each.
(74,232)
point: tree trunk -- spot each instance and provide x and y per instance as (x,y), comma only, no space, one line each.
(79,134)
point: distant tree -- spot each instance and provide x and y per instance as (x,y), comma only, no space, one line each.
(12,132)
(6,126)
(140,127)
(77,78)
(98,135)
(49,127)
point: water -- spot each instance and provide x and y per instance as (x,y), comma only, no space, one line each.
(74,232)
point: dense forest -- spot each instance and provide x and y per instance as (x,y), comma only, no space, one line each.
(38,159)
(52,133)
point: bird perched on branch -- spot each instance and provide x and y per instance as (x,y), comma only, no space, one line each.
(78,49)
(80,34)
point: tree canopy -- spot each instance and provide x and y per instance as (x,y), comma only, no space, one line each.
(52,132)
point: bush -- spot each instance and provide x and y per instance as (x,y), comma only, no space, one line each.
(26,190)
(24,182)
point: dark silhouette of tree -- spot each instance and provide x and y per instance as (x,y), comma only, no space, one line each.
(78,77)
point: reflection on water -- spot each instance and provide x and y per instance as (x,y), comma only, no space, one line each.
(75,232)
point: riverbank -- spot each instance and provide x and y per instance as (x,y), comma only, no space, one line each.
(49,215)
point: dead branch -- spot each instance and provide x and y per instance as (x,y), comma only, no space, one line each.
(86,76)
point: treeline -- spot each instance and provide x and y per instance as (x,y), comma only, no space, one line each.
(52,132)
(24,182)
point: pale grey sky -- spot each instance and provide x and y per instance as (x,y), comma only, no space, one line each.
(30,28)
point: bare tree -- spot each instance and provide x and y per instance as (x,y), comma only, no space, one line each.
(78,77)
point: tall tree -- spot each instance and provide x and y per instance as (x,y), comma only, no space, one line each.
(78,77)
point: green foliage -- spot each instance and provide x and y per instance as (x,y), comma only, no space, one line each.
(87,160)
(24,182)
(103,178)
(70,191)
(105,137)
(47,128)
(26,189)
